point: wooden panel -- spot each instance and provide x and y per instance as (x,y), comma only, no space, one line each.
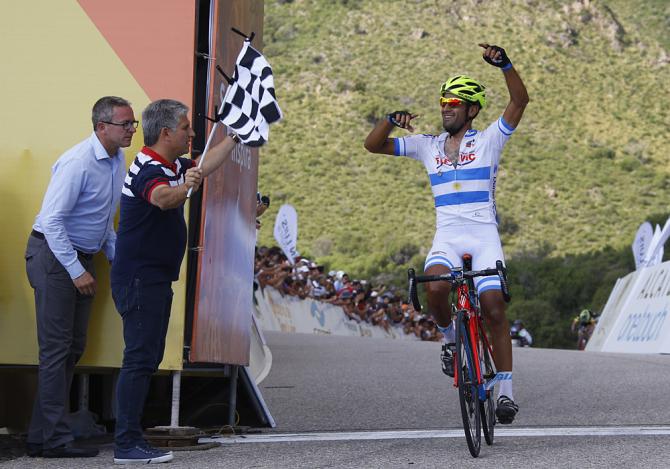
(223,304)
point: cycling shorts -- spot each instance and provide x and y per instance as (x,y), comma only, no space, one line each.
(480,240)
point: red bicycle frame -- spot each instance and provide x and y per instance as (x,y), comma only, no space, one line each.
(475,330)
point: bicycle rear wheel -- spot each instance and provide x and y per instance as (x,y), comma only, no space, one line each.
(467,387)
(487,407)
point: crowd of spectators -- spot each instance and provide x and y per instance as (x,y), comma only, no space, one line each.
(361,301)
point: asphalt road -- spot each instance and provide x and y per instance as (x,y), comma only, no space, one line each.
(344,402)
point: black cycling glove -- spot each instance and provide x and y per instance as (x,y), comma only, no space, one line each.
(391,117)
(503,62)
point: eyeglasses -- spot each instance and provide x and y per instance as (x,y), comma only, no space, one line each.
(451,102)
(126,124)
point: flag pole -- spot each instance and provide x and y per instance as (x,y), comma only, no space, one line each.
(202,157)
(216,123)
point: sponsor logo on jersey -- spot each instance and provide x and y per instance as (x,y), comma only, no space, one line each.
(466,158)
(439,161)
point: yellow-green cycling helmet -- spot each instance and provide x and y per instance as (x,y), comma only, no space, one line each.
(466,88)
(585,316)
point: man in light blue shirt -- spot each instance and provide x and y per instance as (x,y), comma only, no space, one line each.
(75,222)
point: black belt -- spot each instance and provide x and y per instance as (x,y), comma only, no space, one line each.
(39,235)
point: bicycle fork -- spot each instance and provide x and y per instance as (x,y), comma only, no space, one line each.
(472,332)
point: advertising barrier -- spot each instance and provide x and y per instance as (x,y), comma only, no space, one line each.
(610,312)
(275,312)
(635,318)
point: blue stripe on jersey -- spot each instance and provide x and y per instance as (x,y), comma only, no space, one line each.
(505,127)
(458,198)
(396,147)
(463,175)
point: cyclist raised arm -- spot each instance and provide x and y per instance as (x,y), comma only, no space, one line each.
(462,166)
(518,96)
(378,140)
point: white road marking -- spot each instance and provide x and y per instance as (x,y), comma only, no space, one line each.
(456,433)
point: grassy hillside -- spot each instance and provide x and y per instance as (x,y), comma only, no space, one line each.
(588,163)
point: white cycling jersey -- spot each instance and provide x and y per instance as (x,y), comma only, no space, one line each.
(464,193)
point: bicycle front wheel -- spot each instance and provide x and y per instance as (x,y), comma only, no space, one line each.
(467,386)
(487,408)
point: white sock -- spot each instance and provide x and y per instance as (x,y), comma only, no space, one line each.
(504,379)
(448,332)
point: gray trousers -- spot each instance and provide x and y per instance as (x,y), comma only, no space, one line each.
(62,320)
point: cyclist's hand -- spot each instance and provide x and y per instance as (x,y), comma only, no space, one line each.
(496,56)
(402,119)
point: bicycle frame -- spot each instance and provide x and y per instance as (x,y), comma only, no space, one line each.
(466,300)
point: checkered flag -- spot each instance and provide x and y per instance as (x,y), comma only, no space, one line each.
(250,106)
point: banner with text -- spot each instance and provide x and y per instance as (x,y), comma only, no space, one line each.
(641,243)
(635,319)
(286,231)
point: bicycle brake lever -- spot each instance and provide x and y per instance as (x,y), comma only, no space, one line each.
(413,295)
(502,273)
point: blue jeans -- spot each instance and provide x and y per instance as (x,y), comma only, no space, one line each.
(145,310)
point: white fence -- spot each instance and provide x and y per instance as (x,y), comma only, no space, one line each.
(635,318)
(275,312)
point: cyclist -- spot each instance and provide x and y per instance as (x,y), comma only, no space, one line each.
(462,164)
(584,324)
(520,334)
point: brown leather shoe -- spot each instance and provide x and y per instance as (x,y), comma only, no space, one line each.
(68,451)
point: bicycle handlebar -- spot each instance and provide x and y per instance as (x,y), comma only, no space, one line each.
(454,276)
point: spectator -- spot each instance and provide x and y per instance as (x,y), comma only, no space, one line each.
(342,279)
(378,306)
(75,222)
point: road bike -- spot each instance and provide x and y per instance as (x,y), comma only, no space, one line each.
(474,369)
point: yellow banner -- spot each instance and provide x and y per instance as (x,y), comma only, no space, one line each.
(58,59)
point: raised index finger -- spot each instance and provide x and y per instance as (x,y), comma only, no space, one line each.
(484,45)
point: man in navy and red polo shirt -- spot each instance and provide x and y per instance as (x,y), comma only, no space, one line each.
(150,246)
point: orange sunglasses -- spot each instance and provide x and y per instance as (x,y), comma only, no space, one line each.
(451,102)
